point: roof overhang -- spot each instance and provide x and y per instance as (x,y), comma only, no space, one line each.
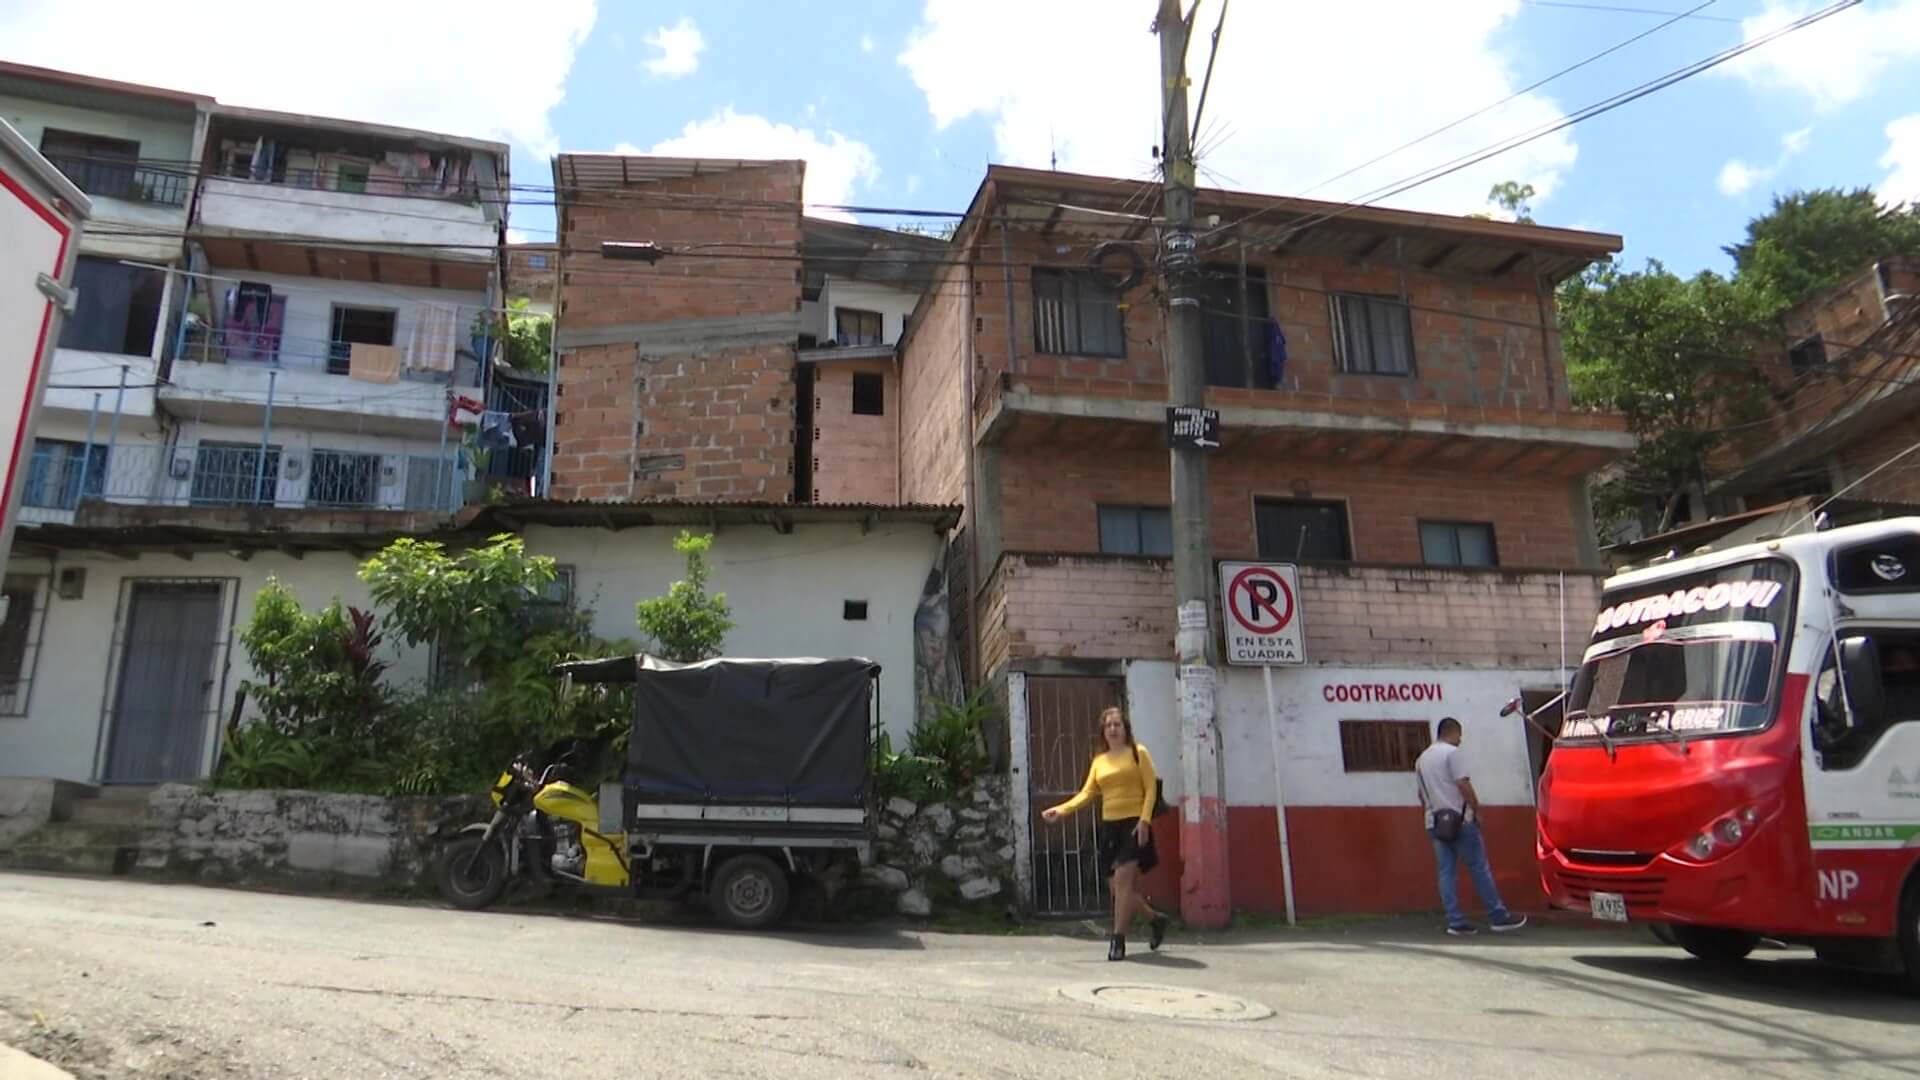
(425,140)
(783,517)
(1282,225)
(608,171)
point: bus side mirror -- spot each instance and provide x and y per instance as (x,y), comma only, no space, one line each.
(1510,707)
(1866,693)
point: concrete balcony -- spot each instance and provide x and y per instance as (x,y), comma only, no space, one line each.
(1121,608)
(304,393)
(245,208)
(78,375)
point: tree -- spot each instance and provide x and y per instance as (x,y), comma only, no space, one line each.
(1675,356)
(529,338)
(479,606)
(1813,240)
(686,624)
(1513,197)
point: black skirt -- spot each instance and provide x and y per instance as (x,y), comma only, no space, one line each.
(1118,847)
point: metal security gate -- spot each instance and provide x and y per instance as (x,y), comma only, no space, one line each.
(163,704)
(1063,714)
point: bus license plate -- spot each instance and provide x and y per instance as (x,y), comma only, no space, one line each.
(1609,907)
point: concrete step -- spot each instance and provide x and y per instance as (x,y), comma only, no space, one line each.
(107,812)
(71,859)
(60,834)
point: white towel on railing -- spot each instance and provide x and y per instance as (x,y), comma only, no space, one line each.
(433,341)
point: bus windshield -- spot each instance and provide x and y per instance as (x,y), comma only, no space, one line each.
(1691,655)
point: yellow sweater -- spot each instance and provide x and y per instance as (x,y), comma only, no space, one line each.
(1125,790)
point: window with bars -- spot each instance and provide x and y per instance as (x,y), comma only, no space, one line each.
(1372,335)
(19,642)
(63,472)
(1075,313)
(1382,745)
(341,478)
(1457,543)
(229,474)
(1136,530)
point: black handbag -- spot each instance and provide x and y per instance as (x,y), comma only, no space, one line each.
(1160,805)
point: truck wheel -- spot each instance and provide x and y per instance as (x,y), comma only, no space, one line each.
(472,873)
(1715,945)
(1910,935)
(749,892)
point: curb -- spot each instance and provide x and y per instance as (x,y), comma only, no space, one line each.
(20,1065)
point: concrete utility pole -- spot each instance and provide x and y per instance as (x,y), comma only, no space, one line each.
(1204,897)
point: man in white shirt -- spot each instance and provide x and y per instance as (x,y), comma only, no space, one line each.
(1444,785)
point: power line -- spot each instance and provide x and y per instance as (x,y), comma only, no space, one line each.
(1523,91)
(1617,9)
(1588,112)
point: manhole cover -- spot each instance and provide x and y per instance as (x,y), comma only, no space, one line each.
(1170,1002)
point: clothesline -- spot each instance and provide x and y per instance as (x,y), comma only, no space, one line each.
(317,290)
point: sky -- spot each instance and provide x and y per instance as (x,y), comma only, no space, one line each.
(902,103)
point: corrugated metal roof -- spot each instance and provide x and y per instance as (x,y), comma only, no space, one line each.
(619,170)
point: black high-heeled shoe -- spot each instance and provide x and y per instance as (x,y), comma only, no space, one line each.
(1159,933)
(1116,946)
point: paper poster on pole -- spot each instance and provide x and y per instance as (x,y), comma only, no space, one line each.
(1261,603)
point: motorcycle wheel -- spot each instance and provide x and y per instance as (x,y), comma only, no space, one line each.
(749,892)
(472,873)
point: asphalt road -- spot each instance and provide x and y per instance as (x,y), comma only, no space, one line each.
(120,979)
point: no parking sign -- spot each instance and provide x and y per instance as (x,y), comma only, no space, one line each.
(1262,614)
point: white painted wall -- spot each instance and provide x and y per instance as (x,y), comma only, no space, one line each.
(894,305)
(162,140)
(786,592)
(73,367)
(243,206)
(1312,772)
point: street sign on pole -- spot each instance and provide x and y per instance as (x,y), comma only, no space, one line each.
(1193,427)
(1261,603)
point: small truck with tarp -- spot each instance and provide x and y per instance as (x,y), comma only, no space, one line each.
(741,779)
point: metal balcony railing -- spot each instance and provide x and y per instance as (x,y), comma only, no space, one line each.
(125,180)
(62,476)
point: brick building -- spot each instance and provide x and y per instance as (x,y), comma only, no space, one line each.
(1846,396)
(1396,420)
(753,359)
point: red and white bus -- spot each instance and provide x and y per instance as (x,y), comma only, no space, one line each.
(1739,756)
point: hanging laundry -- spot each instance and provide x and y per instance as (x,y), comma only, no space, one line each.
(1277,354)
(252,300)
(496,431)
(431,345)
(373,363)
(530,426)
(459,404)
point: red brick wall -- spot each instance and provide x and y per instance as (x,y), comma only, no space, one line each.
(1122,608)
(933,417)
(1048,499)
(855,458)
(1899,482)
(1476,343)
(672,421)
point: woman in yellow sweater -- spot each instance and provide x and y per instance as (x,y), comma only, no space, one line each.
(1122,775)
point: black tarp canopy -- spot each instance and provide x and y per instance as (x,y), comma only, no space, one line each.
(789,732)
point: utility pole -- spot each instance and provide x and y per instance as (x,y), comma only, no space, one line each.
(1205,901)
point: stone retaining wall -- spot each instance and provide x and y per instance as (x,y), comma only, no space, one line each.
(957,853)
(300,839)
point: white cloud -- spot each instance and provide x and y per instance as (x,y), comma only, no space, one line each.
(913,184)
(867,44)
(273,56)
(836,165)
(1834,61)
(1902,159)
(680,47)
(1737,177)
(1082,76)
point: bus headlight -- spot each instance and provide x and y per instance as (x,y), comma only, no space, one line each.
(1720,836)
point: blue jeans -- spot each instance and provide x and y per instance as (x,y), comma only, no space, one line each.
(1473,851)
